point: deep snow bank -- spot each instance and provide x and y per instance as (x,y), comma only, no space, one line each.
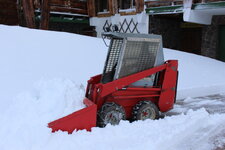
(196,130)
(27,56)
(53,68)
(198,75)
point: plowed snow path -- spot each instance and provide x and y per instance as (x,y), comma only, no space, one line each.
(214,104)
(25,124)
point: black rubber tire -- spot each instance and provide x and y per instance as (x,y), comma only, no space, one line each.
(145,110)
(110,113)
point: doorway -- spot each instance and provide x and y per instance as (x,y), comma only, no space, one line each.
(191,38)
(221,44)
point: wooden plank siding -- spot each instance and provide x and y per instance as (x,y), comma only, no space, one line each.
(44,23)
(28,10)
(113,7)
(8,12)
(65,6)
(91,8)
(59,6)
(139,6)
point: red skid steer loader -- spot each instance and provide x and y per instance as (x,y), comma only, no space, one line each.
(136,84)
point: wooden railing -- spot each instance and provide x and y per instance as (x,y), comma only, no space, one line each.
(65,6)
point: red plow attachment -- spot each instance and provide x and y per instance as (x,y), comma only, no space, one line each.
(79,120)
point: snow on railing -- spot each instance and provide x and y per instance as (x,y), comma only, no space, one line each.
(158,3)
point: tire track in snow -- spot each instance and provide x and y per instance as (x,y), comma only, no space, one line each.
(213,104)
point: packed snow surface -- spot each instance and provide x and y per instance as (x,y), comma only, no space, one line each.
(43,76)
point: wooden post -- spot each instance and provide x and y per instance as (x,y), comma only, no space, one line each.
(44,15)
(28,9)
(139,5)
(113,6)
(110,6)
(91,8)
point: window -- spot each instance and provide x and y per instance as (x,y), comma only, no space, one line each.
(126,4)
(102,5)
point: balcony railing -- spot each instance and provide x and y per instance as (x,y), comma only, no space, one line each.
(159,3)
(65,6)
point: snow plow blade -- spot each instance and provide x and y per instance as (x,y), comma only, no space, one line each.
(79,120)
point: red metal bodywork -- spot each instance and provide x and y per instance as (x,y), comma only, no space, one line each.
(120,92)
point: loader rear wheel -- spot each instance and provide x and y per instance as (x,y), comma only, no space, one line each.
(110,113)
(145,110)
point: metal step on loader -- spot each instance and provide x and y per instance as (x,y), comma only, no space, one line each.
(136,84)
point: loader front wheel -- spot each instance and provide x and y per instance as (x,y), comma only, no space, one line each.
(145,110)
(110,113)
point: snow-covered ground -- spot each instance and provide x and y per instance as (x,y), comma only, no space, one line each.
(198,75)
(43,76)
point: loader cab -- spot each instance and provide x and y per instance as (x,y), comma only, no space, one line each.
(132,53)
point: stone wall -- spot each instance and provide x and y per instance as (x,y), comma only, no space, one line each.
(210,37)
(168,27)
(173,35)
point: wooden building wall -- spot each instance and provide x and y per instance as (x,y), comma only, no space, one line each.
(8,12)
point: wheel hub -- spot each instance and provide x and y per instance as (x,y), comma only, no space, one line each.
(113,117)
(145,110)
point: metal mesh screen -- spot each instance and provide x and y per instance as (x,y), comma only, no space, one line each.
(112,60)
(139,55)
